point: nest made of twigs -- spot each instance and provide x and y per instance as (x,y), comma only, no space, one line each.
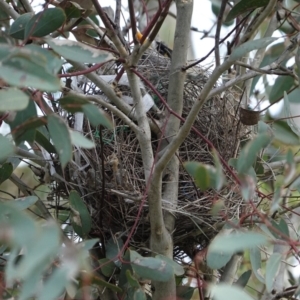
(118,155)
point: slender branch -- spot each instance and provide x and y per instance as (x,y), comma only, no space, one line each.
(186,127)
(27,5)
(218,31)
(163,226)
(108,90)
(133,21)
(4,6)
(257,22)
(116,111)
(144,132)
(118,13)
(231,268)
(115,39)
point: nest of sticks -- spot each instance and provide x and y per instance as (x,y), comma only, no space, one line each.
(117,157)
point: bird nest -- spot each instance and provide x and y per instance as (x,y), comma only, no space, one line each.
(114,185)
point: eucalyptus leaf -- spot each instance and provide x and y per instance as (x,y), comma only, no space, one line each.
(224,291)
(272,268)
(243,6)
(45,22)
(6,148)
(25,202)
(17,29)
(232,242)
(61,138)
(79,52)
(5,171)
(150,267)
(21,72)
(247,47)
(80,141)
(255,260)
(80,216)
(13,99)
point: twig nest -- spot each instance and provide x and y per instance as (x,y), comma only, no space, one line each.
(218,122)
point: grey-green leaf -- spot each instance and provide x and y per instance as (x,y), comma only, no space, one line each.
(60,135)
(6,148)
(13,99)
(79,52)
(5,171)
(224,291)
(272,268)
(81,141)
(80,216)
(245,48)
(230,243)
(17,29)
(45,22)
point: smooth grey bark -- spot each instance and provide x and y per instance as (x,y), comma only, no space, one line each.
(163,225)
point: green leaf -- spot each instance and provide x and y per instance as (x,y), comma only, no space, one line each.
(24,124)
(40,252)
(150,267)
(250,151)
(87,245)
(80,141)
(282,227)
(98,281)
(96,116)
(113,248)
(217,259)
(79,52)
(5,171)
(243,6)
(17,29)
(13,99)
(73,11)
(6,148)
(60,136)
(244,278)
(245,48)
(290,120)
(55,284)
(178,269)
(124,267)
(51,62)
(25,202)
(224,291)
(184,292)
(42,140)
(77,103)
(205,176)
(5,50)
(276,199)
(230,243)
(282,84)
(80,216)
(272,268)
(219,178)
(284,133)
(18,70)
(19,227)
(255,259)
(133,282)
(107,267)
(135,294)
(45,22)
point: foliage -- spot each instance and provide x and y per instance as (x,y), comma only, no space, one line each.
(52,249)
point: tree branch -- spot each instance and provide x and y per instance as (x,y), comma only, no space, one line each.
(8,9)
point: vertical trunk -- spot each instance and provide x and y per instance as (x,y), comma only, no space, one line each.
(161,239)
